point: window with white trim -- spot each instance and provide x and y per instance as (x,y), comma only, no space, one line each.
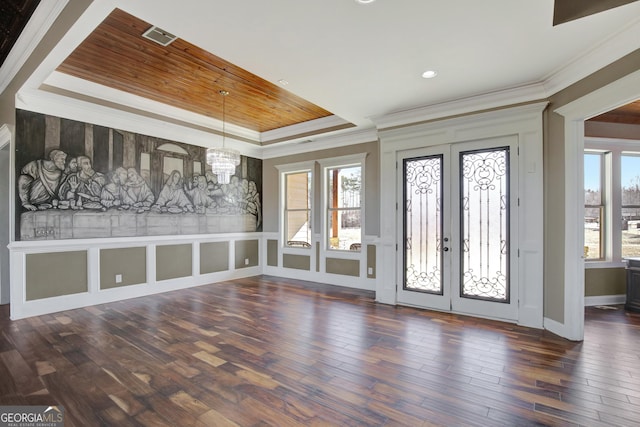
(594,206)
(297,190)
(630,187)
(343,203)
(612,201)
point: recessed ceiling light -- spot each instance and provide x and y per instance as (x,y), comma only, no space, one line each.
(365,1)
(429,74)
(283,82)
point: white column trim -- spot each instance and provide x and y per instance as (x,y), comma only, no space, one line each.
(615,94)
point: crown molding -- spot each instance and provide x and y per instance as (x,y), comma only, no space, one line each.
(608,51)
(339,140)
(528,93)
(43,17)
(299,130)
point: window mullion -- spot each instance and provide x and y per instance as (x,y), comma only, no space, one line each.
(614,206)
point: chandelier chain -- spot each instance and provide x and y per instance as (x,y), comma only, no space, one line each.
(223,160)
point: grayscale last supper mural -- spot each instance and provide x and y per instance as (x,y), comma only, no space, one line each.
(77,180)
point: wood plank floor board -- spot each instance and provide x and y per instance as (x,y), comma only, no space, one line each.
(170,411)
(496,397)
(114,416)
(266,351)
(150,418)
(584,418)
(503,399)
(605,409)
(617,420)
(513,418)
(25,379)
(7,384)
(412,415)
(78,397)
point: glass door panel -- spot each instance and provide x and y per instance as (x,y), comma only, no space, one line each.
(485,224)
(423,226)
(455,231)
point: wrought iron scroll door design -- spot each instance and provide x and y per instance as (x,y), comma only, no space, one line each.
(456,237)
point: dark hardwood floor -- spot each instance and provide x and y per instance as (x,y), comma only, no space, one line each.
(271,351)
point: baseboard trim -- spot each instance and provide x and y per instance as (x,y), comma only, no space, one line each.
(605,300)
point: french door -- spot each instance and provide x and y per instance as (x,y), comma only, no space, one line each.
(457,212)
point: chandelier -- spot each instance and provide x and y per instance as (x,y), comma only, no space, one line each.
(223,160)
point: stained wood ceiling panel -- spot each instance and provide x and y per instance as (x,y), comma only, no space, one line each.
(628,114)
(182,75)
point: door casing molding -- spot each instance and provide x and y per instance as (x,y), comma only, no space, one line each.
(525,122)
(615,94)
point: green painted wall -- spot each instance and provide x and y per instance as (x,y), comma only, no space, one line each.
(214,257)
(298,262)
(272,253)
(605,281)
(247,253)
(56,273)
(173,261)
(130,263)
(371,261)
(346,267)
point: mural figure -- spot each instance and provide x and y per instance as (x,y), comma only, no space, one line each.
(231,196)
(39,181)
(199,194)
(70,170)
(213,188)
(111,196)
(85,186)
(136,192)
(172,197)
(253,205)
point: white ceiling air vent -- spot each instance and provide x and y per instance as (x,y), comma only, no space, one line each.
(159,36)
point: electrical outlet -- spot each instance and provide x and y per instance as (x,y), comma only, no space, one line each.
(118,278)
(246,261)
(370,271)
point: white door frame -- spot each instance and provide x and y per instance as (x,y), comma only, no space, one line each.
(450,178)
(525,121)
(575,113)
(5,141)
